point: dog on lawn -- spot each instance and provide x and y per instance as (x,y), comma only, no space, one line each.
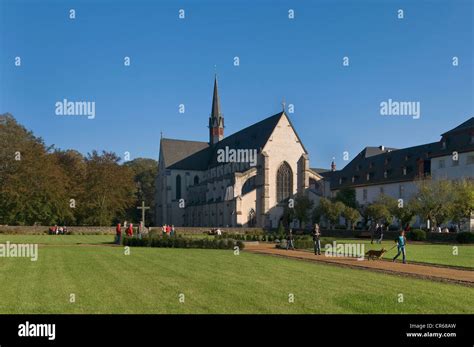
(374,254)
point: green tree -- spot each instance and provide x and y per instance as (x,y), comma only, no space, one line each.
(434,200)
(347,196)
(109,189)
(379,212)
(463,200)
(331,210)
(303,206)
(32,186)
(351,215)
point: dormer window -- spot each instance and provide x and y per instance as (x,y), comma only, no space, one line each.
(340,180)
(443,144)
(404,171)
(353,179)
(385,174)
(368,177)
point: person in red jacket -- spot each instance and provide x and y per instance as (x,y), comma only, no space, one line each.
(130,230)
(118,234)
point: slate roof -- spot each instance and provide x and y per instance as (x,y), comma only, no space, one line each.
(391,161)
(252,137)
(458,139)
(376,160)
(469,124)
(176,150)
(319,170)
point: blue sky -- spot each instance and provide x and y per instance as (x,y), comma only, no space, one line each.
(337,108)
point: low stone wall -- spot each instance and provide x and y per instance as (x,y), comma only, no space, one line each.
(38,230)
(201,230)
(91,230)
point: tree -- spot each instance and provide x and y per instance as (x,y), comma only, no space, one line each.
(351,216)
(73,165)
(400,209)
(347,196)
(303,206)
(463,202)
(32,187)
(144,171)
(379,212)
(109,189)
(331,210)
(434,200)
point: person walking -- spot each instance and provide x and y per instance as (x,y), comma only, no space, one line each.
(130,230)
(317,240)
(380,234)
(140,230)
(372,230)
(118,234)
(401,243)
(289,241)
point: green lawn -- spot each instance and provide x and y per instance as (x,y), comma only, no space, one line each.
(149,280)
(440,254)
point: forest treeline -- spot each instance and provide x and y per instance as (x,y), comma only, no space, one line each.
(44,185)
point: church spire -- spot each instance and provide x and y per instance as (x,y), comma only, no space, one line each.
(216,120)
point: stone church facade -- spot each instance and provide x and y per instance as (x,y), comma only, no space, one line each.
(195,186)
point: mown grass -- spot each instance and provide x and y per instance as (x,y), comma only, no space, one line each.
(150,280)
(438,254)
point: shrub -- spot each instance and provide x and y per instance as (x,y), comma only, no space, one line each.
(417,235)
(465,237)
(182,242)
(303,244)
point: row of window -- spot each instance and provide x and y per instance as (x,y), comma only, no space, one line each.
(401,192)
(370,175)
(442,162)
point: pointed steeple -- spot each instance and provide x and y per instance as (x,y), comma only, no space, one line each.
(216,104)
(216,120)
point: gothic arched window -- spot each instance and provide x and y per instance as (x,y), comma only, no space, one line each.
(284,182)
(178,187)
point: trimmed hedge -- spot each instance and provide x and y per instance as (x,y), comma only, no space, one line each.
(181,242)
(416,235)
(465,237)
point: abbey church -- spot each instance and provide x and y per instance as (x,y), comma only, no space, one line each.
(196,187)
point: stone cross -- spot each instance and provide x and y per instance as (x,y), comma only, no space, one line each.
(143,208)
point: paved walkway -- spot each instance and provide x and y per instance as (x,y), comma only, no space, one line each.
(444,274)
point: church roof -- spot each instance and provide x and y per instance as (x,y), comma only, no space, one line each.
(176,150)
(318,170)
(252,137)
(469,124)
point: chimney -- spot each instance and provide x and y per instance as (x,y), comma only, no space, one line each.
(382,148)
